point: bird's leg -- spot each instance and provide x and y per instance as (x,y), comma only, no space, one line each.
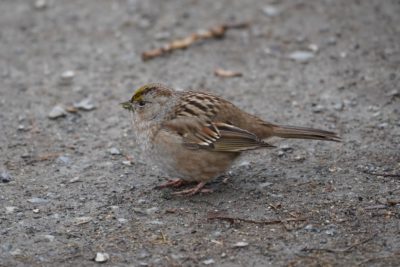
(192,191)
(172,183)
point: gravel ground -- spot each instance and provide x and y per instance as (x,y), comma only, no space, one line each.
(74,186)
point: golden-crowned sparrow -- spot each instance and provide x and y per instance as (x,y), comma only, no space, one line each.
(196,136)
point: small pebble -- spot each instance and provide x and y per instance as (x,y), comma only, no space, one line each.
(67,77)
(331,41)
(49,237)
(57,112)
(85,104)
(338,106)
(40,4)
(74,180)
(35,210)
(114,151)
(264,185)
(151,210)
(271,11)
(122,220)
(64,160)
(16,252)
(82,220)
(313,47)
(318,108)
(101,257)
(10,209)
(394,93)
(144,253)
(209,262)
(5,177)
(38,200)
(301,56)
(127,162)
(240,244)
(383,125)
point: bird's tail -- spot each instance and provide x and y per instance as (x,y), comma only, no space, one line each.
(304,133)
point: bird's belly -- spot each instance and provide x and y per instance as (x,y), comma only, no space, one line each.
(177,161)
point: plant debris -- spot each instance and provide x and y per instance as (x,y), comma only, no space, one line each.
(213,32)
(231,219)
(227,73)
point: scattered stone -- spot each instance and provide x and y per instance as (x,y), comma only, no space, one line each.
(64,160)
(151,210)
(156,222)
(338,106)
(301,56)
(40,4)
(10,209)
(21,127)
(16,252)
(394,93)
(331,232)
(382,126)
(101,257)
(299,158)
(38,200)
(318,108)
(82,220)
(74,180)
(286,148)
(281,153)
(85,104)
(5,177)
(114,151)
(67,77)
(240,244)
(36,210)
(264,185)
(313,47)
(244,164)
(311,228)
(331,41)
(144,253)
(209,262)
(57,112)
(127,162)
(271,11)
(122,220)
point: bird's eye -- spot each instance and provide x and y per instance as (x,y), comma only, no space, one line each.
(142,103)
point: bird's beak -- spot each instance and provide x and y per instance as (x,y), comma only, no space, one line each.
(127,105)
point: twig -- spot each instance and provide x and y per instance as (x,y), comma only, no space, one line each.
(219,216)
(384,174)
(213,32)
(343,249)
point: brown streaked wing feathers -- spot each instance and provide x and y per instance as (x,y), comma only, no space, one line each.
(216,136)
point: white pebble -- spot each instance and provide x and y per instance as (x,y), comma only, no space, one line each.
(102,257)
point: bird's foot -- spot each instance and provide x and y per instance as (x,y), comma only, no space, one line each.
(172,183)
(192,191)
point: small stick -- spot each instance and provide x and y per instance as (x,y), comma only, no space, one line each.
(218,216)
(213,32)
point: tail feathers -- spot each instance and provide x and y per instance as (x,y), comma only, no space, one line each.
(304,133)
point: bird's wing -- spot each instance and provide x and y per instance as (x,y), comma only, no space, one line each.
(214,136)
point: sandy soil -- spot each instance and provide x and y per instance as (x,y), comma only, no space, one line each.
(75,186)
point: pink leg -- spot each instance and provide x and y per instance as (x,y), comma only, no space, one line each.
(192,191)
(172,183)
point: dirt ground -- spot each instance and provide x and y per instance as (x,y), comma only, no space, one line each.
(75,186)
